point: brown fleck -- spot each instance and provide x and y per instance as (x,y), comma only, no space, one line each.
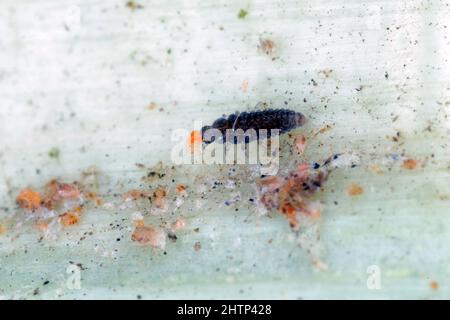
(159,196)
(409,164)
(133,5)
(323,130)
(268,47)
(92,196)
(181,188)
(152,106)
(197,246)
(326,72)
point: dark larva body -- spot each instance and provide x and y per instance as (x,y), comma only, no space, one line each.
(282,119)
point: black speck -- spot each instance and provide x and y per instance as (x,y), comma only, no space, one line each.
(172,236)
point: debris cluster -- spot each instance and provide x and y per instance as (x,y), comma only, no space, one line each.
(291,195)
(58,203)
(268,47)
(156,201)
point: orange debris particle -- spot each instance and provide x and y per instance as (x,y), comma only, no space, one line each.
(376,169)
(57,191)
(181,188)
(160,198)
(434,285)
(323,130)
(152,106)
(42,226)
(409,164)
(149,235)
(300,144)
(291,215)
(29,199)
(244,86)
(354,190)
(178,224)
(92,196)
(139,222)
(69,218)
(2,229)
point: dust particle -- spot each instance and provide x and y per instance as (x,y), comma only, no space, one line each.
(244,86)
(242,14)
(54,153)
(197,246)
(133,5)
(152,106)
(376,169)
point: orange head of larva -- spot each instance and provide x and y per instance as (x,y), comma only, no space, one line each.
(194,140)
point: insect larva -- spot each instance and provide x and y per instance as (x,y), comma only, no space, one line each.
(282,119)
